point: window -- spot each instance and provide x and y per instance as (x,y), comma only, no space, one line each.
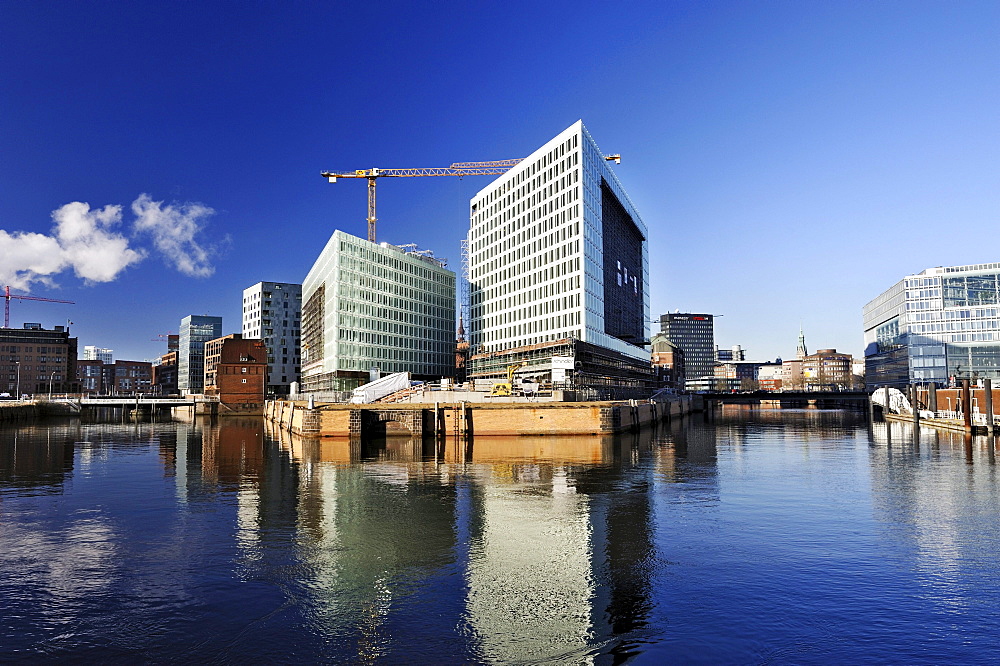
(244,381)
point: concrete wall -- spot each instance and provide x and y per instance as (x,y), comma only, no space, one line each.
(12,412)
(463,419)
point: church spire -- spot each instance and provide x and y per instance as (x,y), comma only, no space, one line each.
(800,351)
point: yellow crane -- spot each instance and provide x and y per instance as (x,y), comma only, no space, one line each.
(457,169)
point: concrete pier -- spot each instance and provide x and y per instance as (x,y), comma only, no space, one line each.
(465,419)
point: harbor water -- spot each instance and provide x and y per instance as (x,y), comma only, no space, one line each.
(755,536)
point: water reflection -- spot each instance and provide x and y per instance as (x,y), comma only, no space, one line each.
(941,510)
(546,535)
(757,535)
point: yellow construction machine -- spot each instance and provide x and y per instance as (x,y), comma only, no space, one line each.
(506,389)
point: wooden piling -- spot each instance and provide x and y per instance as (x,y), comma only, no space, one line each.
(966,406)
(988,394)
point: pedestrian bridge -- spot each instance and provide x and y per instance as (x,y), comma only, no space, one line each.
(142,401)
(791,398)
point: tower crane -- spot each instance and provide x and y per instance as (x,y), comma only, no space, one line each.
(21,297)
(457,169)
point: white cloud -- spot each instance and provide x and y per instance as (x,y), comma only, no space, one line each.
(85,241)
(174,228)
(82,240)
(88,246)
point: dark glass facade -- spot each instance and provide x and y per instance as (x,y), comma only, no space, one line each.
(623,284)
(695,335)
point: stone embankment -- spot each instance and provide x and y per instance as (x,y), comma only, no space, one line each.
(13,412)
(464,419)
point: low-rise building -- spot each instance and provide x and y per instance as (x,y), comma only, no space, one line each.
(165,374)
(667,359)
(90,374)
(128,378)
(827,370)
(746,373)
(791,375)
(236,370)
(769,377)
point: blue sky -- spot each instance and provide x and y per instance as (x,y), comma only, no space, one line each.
(791,159)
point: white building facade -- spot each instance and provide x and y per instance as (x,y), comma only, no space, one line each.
(375,306)
(558,252)
(939,324)
(272,312)
(94,353)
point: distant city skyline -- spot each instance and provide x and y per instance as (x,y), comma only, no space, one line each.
(789,160)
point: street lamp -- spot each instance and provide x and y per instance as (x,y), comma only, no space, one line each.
(18,363)
(51,377)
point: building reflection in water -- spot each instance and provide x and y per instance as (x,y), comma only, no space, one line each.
(377,536)
(70,554)
(921,497)
(36,457)
(554,557)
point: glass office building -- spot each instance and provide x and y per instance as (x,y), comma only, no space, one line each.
(195,331)
(557,252)
(375,306)
(934,326)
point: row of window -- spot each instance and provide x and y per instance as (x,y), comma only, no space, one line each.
(531,240)
(506,301)
(526,214)
(524,178)
(965,325)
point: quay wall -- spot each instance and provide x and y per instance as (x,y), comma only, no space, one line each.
(13,411)
(19,411)
(462,419)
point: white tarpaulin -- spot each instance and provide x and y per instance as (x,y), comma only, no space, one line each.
(380,388)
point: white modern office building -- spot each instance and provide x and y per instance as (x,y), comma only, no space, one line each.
(375,308)
(272,312)
(195,331)
(933,326)
(558,267)
(95,353)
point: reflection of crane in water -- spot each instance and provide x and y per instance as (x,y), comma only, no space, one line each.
(21,297)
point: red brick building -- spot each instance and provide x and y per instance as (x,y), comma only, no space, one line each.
(37,361)
(165,374)
(128,378)
(236,371)
(668,361)
(91,376)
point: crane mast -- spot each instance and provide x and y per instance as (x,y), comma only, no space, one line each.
(460,169)
(6,303)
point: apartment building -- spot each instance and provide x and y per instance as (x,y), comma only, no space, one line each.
(272,313)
